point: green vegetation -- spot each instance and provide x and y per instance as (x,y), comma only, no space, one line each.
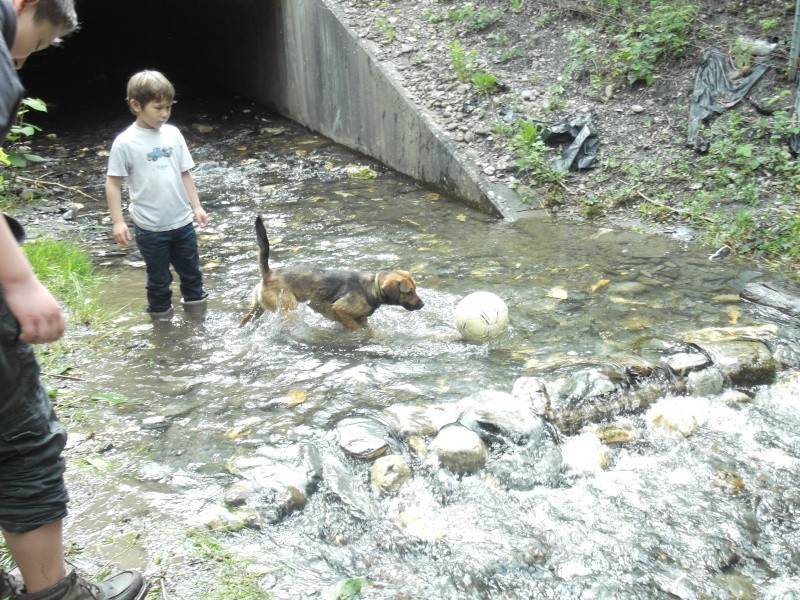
(475,18)
(68,273)
(19,155)
(463,63)
(485,82)
(16,153)
(227,576)
(745,193)
(662,32)
(533,156)
(385,28)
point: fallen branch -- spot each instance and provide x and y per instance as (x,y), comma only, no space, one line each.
(56,184)
(675,210)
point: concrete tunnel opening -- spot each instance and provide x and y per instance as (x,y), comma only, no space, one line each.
(295,57)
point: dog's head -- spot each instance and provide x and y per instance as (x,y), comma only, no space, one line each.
(399,288)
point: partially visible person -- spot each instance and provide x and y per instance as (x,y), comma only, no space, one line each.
(33,496)
(154,158)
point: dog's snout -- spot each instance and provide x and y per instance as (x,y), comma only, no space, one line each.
(414,305)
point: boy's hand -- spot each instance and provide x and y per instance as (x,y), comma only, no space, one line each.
(201,216)
(39,315)
(122,235)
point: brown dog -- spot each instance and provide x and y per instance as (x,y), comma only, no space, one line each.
(345,296)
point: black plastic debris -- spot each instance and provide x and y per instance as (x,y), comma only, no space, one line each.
(580,132)
(714,92)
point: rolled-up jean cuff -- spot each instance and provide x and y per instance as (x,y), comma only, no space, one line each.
(32,488)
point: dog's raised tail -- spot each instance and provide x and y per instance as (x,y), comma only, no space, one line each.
(263,245)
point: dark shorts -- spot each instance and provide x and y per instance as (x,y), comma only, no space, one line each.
(32,490)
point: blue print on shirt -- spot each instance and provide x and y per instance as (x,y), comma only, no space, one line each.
(157,153)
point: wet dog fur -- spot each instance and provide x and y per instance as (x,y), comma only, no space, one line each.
(348,297)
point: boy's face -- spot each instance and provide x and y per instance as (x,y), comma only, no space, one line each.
(153,114)
(31,35)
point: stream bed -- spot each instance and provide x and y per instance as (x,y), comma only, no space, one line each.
(212,456)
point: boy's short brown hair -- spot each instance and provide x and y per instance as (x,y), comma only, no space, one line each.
(60,13)
(147,86)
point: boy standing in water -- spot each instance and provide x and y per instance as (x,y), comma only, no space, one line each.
(163,199)
(33,497)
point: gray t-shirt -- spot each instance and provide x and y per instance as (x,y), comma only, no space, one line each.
(153,160)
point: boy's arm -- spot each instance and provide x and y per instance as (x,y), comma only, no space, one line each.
(39,315)
(191,191)
(122,234)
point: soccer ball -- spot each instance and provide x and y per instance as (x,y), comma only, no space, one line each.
(480,316)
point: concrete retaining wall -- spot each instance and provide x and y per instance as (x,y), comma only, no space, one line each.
(298,57)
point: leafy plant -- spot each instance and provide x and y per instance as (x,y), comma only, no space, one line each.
(516,5)
(463,63)
(533,156)
(386,28)
(19,155)
(584,52)
(663,31)
(485,82)
(476,19)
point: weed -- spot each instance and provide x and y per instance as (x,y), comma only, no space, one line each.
(533,156)
(476,19)
(432,17)
(385,28)
(584,53)
(742,53)
(485,82)
(463,63)
(768,25)
(516,5)
(662,32)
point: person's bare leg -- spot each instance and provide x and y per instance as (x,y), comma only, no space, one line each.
(39,554)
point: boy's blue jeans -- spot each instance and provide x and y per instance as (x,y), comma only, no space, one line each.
(160,249)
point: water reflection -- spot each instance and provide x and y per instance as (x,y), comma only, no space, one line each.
(712,516)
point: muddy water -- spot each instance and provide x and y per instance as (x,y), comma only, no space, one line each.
(712,516)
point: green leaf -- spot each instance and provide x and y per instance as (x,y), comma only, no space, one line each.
(346,589)
(33,158)
(35,104)
(16,160)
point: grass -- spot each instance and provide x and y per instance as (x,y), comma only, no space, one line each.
(227,575)
(68,273)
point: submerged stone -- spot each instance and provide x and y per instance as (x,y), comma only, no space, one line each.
(459,449)
(362,437)
(743,362)
(389,473)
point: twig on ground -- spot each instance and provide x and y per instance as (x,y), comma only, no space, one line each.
(56,184)
(675,210)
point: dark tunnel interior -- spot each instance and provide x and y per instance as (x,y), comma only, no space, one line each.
(84,78)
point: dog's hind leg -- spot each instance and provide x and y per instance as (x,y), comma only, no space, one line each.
(255,312)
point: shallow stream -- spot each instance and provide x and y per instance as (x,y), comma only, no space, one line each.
(714,515)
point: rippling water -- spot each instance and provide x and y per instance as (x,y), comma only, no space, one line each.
(711,516)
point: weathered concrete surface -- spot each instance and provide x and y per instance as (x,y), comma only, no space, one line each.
(298,57)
